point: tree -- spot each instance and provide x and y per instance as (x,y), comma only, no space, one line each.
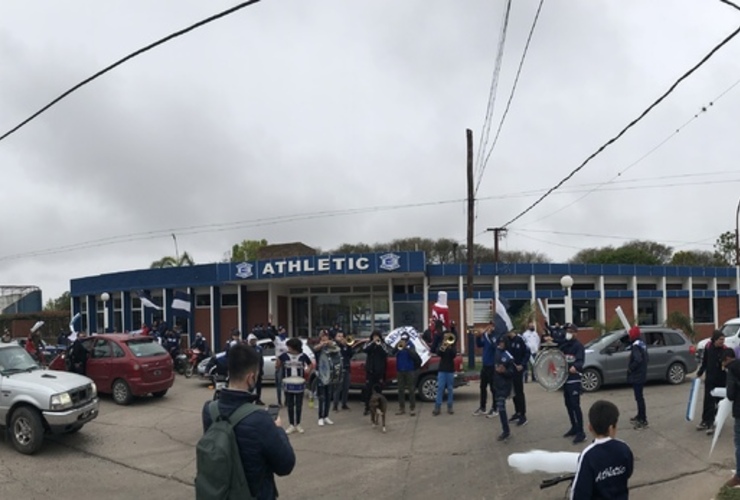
(725,249)
(168,261)
(61,303)
(638,252)
(697,258)
(246,250)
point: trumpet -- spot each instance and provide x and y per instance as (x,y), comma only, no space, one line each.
(401,344)
(447,341)
(350,341)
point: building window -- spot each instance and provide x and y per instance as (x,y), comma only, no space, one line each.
(583,286)
(674,286)
(512,286)
(615,286)
(703,310)
(229,300)
(135,303)
(647,286)
(699,286)
(409,314)
(584,312)
(647,312)
(203,300)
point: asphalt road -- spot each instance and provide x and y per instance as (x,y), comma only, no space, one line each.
(147,451)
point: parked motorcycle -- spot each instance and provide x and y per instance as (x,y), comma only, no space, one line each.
(181,363)
(194,357)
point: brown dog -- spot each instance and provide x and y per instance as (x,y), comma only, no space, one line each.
(378,407)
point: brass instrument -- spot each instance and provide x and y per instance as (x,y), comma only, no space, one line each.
(447,341)
(401,344)
(350,340)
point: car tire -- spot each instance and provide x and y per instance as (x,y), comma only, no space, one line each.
(591,380)
(676,373)
(121,392)
(427,388)
(26,430)
(159,394)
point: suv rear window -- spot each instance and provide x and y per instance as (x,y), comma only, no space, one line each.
(730,330)
(143,348)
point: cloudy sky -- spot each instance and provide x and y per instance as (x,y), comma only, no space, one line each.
(330,122)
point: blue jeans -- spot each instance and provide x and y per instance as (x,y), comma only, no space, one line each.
(640,400)
(444,380)
(737,447)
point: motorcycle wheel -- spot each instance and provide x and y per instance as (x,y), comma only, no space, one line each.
(189,371)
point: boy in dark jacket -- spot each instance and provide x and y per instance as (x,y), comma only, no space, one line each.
(574,356)
(732,366)
(518,349)
(605,466)
(711,364)
(406,371)
(637,375)
(504,372)
(375,366)
(263,445)
(486,341)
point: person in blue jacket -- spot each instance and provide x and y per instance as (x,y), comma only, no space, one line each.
(486,341)
(517,347)
(605,466)
(637,375)
(574,357)
(504,372)
(263,445)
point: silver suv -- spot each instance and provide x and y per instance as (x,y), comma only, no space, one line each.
(37,401)
(671,356)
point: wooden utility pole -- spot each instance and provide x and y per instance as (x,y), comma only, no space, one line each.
(471,219)
(498,232)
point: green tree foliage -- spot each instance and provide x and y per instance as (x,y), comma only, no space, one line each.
(700,258)
(61,303)
(169,261)
(634,252)
(246,250)
(724,248)
(680,321)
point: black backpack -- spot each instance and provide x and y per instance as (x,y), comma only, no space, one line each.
(220,475)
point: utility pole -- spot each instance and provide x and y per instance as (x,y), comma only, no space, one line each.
(469,320)
(498,232)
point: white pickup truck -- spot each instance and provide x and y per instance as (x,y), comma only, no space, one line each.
(34,401)
(731,329)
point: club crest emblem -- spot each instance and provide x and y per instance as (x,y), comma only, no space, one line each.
(389,261)
(244,270)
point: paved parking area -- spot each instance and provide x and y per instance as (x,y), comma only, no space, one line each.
(146,451)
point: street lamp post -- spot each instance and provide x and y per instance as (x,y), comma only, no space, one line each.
(567,282)
(105,297)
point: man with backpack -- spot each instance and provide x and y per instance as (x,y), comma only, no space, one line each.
(243,447)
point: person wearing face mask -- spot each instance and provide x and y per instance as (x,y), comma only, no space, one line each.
(263,445)
(574,356)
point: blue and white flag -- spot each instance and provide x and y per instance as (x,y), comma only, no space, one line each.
(146,300)
(181,304)
(501,321)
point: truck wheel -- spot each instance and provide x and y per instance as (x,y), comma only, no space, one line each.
(428,388)
(26,430)
(121,392)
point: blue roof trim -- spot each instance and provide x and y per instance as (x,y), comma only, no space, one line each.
(677,293)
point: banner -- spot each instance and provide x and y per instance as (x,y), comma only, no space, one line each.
(421,348)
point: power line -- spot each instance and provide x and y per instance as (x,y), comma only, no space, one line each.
(605,236)
(704,109)
(629,126)
(128,57)
(511,95)
(486,129)
(730,4)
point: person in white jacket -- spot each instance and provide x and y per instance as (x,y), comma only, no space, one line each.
(532,338)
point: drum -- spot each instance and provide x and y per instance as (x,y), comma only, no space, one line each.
(294,384)
(550,368)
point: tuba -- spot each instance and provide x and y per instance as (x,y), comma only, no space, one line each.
(447,341)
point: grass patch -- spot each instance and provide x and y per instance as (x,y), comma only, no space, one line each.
(728,493)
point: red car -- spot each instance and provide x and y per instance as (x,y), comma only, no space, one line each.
(426,381)
(125,366)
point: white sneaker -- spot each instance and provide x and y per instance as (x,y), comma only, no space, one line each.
(328,421)
(299,429)
(290,430)
(492,413)
(479,411)
(321,422)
